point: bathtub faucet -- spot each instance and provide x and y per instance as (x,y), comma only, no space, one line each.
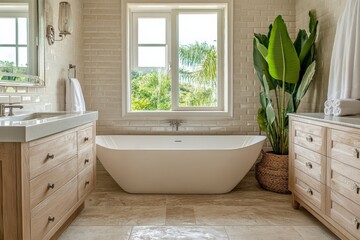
(175,123)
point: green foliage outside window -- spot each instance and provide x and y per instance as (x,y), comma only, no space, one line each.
(151,88)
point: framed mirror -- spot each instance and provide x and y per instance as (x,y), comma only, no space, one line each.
(22,43)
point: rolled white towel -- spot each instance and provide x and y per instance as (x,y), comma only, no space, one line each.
(346,103)
(343,111)
(328,103)
(328,111)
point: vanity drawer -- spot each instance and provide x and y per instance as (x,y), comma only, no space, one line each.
(344,147)
(344,212)
(310,189)
(49,154)
(85,137)
(49,182)
(48,213)
(309,162)
(86,182)
(86,158)
(309,136)
(344,179)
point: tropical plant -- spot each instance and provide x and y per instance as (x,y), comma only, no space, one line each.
(285,70)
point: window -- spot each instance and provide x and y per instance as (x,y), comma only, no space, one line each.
(178,59)
(14,32)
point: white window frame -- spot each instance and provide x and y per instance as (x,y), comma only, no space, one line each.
(223,8)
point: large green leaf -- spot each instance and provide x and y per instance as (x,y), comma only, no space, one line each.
(261,119)
(300,40)
(283,60)
(305,83)
(262,49)
(312,22)
(261,66)
(263,99)
(270,113)
(308,43)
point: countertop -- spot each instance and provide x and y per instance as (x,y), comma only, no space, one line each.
(348,121)
(25,131)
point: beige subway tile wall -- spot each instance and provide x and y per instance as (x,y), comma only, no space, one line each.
(328,12)
(102,68)
(57,59)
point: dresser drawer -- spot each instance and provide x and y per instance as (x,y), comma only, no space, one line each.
(48,213)
(47,155)
(344,179)
(86,182)
(309,136)
(345,147)
(344,212)
(49,182)
(310,189)
(309,162)
(86,158)
(85,137)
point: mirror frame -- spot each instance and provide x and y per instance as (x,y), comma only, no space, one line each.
(39,79)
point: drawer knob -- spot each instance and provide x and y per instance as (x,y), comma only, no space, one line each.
(309,165)
(51,186)
(87,183)
(87,161)
(309,139)
(50,156)
(356,188)
(356,223)
(51,219)
(309,191)
(357,152)
(86,139)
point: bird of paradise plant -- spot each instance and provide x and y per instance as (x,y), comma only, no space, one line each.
(285,70)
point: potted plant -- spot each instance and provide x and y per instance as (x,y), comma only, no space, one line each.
(285,70)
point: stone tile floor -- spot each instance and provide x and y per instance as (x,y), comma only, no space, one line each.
(248,213)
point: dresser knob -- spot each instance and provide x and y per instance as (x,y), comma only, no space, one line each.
(86,139)
(87,183)
(50,156)
(356,223)
(309,191)
(357,153)
(51,219)
(309,165)
(51,186)
(309,139)
(87,161)
(356,188)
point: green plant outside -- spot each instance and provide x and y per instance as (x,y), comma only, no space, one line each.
(151,88)
(9,67)
(285,70)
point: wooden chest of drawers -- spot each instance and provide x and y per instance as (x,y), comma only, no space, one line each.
(324,171)
(51,177)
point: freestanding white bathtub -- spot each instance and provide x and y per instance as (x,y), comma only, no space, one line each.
(178,164)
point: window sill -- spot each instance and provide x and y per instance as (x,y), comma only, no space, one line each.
(183,115)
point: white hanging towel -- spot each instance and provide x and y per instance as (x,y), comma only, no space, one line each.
(344,79)
(74,96)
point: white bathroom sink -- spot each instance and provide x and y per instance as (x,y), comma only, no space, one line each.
(30,126)
(35,116)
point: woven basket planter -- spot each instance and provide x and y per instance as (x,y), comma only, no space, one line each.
(272,172)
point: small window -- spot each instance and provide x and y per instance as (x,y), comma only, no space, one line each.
(178,59)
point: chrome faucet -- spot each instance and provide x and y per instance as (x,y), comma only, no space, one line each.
(10,107)
(176,124)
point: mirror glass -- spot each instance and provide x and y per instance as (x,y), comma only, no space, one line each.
(21,43)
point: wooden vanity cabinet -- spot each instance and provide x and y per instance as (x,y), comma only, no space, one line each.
(324,171)
(44,183)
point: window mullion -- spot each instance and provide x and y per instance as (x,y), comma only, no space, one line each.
(175,61)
